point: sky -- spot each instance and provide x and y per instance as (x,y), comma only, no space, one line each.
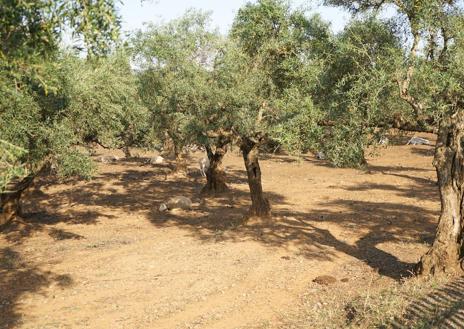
(136,12)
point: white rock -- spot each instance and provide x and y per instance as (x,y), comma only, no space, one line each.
(156,160)
(163,207)
(418,141)
(320,156)
(179,202)
(384,141)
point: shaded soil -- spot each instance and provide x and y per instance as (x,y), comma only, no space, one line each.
(99,254)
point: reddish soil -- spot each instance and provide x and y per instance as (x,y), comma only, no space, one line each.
(99,254)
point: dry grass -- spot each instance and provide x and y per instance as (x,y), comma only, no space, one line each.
(411,303)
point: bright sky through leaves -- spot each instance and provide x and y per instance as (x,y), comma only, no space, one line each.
(135,12)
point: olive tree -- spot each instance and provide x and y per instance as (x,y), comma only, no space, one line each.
(174,62)
(34,127)
(103,104)
(359,107)
(433,52)
(272,74)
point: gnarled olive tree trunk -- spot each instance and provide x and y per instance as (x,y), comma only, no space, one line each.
(447,250)
(10,205)
(216,181)
(260,206)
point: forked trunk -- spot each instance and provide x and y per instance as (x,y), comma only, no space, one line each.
(10,205)
(447,251)
(260,206)
(216,181)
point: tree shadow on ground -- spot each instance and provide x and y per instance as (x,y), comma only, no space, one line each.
(385,222)
(442,308)
(18,278)
(143,188)
(426,152)
(44,220)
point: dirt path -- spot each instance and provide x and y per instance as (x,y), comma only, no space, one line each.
(98,254)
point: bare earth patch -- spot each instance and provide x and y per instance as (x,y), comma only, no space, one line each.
(99,254)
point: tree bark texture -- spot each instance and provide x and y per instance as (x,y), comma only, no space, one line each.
(10,205)
(447,251)
(260,206)
(216,181)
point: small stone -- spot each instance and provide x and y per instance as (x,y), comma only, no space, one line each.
(163,207)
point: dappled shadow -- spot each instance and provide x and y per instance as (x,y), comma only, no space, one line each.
(384,223)
(31,222)
(442,308)
(282,158)
(18,278)
(422,189)
(399,139)
(394,169)
(365,230)
(39,211)
(429,151)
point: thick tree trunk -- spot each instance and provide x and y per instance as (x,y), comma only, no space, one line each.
(216,181)
(10,205)
(260,206)
(447,251)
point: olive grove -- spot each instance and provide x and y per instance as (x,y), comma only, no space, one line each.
(279,77)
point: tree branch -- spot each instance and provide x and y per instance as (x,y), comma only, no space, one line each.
(404,83)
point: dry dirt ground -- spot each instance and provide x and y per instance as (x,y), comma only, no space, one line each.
(99,254)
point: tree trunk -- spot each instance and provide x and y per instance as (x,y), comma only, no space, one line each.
(216,181)
(447,251)
(10,205)
(180,166)
(168,147)
(260,206)
(127,152)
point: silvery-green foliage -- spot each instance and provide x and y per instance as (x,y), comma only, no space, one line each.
(103,104)
(276,72)
(34,109)
(175,63)
(360,96)
(10,164)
